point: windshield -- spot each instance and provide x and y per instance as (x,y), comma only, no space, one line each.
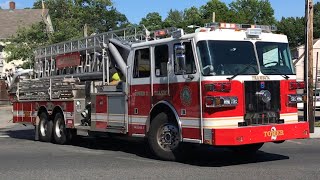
(275,58)
(227,57)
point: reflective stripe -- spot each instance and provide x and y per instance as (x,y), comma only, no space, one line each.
(139,119)
(290,117)
(211,122)
(115,77)
(24,113)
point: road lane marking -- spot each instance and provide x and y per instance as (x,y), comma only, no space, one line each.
(4,136)
(140,160)
(295,142)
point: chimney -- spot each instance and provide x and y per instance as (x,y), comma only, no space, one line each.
(12,5)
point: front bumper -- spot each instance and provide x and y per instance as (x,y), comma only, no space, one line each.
(259,134)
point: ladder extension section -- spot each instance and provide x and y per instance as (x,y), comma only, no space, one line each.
(83,56)
(47,89)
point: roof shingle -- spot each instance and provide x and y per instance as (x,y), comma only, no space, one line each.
(12,20)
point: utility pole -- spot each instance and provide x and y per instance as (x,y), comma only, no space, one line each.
(308,65)
(213,17)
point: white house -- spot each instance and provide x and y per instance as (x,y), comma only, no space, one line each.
(10,21)
(299,63)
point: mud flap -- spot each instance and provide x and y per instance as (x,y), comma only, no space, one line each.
(36,134)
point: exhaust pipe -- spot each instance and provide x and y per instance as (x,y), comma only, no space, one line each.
(118,58)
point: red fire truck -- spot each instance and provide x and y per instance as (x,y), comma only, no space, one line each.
(226,84)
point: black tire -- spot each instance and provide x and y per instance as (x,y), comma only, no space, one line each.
(59,130)
(164,144)
(45,128)
(248,149)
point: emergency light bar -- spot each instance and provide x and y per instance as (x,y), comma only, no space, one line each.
(216,25)
(252,32)
(173,32)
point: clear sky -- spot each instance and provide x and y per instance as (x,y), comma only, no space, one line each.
(137,9)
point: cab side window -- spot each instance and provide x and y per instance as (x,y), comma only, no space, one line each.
(141,67)
(190,64)
(161,55)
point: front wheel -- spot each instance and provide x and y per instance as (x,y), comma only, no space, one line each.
(59,129)
(164,137)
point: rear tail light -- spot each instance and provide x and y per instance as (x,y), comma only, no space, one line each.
(301,85)
(296,85)
(218,87)
(221,101)
(296,98)
(227,87)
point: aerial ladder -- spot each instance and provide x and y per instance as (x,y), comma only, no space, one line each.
(61,69)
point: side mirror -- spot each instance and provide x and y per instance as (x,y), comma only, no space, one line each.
(180,57)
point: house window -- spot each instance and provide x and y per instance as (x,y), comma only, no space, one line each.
(141,67)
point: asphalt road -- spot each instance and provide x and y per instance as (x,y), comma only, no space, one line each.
(23,158)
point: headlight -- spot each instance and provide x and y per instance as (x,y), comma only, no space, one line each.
(221,101)
(78,106)
(299,98)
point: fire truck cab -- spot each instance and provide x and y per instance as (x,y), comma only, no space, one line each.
(224,85)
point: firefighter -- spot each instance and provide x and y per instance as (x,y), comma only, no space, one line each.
(114,76)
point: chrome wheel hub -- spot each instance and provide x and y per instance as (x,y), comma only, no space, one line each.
(58,128)
(168,137)
(43,128)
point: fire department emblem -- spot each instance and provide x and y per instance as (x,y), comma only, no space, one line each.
(186,96)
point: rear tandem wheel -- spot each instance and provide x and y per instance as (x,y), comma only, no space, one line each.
(59,129)
(45,128)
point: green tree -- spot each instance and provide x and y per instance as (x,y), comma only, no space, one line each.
(99,15)
(253,12)
(174,19)
(293,27)
(222,12)
(68,18)
(316,20)
(192,16)
(152,21)
(25,42)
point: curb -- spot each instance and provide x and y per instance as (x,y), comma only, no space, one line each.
(316,133)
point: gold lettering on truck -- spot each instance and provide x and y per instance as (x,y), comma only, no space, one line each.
(273,133)
(260,78)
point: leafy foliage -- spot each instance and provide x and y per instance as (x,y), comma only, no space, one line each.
(316,20)
(293,27)
(193,16)
(222,12)
(25,42)
(152,21)
(239,11)
(68,18)
(253,12)
(174,18)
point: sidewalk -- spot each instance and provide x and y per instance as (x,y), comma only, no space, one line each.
(316,133)
(6,117)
